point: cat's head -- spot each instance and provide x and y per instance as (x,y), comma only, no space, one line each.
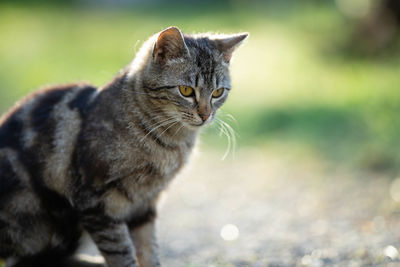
(187,76)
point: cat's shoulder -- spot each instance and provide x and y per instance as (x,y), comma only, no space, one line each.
(47,96)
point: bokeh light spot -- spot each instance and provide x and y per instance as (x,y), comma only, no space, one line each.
(391,252)
(229,232)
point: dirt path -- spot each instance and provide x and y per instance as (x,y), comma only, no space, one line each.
(279,212)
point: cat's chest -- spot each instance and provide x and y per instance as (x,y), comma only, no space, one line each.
(142,176)
(147,167)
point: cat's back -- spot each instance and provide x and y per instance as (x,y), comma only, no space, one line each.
(40,131)
(40,112)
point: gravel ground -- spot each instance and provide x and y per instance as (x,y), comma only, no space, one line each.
(264,210)
(272,210)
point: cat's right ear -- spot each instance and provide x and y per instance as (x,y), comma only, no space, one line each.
(228,44)
(170,44)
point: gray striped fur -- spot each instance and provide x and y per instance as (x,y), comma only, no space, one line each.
(77,159)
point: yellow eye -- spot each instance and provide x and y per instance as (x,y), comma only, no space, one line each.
(218,92)
(186,90)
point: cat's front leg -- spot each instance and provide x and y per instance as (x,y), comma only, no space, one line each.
(112,239)
(142,230)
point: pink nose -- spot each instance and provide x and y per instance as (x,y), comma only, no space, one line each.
(204,111)
(205,116)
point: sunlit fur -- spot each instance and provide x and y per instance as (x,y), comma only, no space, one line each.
(75,159)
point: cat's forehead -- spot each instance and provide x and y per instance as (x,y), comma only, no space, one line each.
(206,65)
(202,50)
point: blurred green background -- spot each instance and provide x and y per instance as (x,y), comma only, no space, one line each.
(302,83)
(316,79)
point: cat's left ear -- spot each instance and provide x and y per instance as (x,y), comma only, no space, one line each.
(227,44)
(170,44)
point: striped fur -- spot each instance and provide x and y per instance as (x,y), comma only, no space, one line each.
(76,159)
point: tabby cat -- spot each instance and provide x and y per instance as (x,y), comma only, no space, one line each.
(75,159)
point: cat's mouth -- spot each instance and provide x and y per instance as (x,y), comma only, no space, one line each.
(195,126)
(199,124)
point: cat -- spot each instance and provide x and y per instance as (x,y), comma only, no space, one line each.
(75,159)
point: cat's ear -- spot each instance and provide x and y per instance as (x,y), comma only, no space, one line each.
(169,45)
(227,44)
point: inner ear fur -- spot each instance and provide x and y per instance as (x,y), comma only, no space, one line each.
(170,44)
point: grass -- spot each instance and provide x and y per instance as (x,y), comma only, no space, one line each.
(292,84)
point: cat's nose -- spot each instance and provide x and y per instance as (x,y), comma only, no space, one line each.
(204,111)
(205,116)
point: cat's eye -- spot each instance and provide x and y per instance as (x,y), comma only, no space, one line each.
(218,92)
(186,90)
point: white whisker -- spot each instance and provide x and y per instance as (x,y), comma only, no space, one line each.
(176,132)
(229,116)
(158,125)
(228,131)
(173,123)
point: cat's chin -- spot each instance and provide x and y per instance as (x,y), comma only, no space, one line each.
(194,126)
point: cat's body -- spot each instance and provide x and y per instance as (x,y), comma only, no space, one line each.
(77,159)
